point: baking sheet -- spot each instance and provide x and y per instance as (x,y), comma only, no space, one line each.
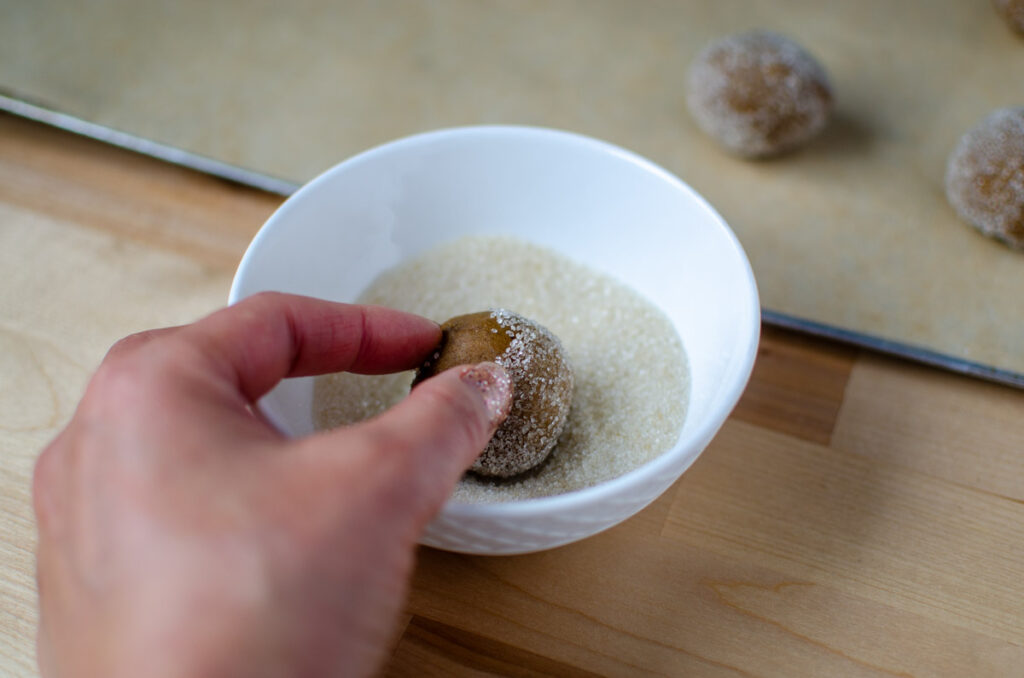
(850,237)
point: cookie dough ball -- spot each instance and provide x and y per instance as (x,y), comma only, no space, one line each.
(985,176)
(758,93)
(542,384)
(1013,12)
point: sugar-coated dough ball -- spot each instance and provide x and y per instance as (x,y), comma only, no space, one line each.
(542,384)
(1013,12)
(985,176)
(758,93)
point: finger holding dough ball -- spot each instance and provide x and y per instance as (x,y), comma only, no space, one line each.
(542,384)
(758,93)
(985,176)
(1013,12)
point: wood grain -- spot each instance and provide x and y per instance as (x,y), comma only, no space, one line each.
(797,385)
(907,415)
(418,653)
(127,195)
(857,516)
(866,527)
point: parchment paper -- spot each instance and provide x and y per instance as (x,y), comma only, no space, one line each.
(852,232)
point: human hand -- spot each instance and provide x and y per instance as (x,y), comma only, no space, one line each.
(181,535)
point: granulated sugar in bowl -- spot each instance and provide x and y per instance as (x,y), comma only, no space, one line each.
(644,283)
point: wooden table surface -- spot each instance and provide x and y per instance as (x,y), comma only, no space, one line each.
(856,516)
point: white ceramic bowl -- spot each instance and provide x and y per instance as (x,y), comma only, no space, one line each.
(592,201)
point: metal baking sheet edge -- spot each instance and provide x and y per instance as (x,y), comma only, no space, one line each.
(281,187)
(146,147)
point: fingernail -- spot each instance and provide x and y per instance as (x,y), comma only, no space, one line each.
(494,385)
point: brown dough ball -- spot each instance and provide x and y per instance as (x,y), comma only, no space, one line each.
(1013,12)
(542,384)
(758,93)
(985,176)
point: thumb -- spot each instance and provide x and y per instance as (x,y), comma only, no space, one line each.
(436,433)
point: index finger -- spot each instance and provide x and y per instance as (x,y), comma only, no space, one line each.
(270,336)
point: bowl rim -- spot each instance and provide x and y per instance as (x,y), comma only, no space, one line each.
(698,438)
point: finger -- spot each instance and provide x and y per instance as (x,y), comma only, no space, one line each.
(137,340)
(270,336)
(433,435)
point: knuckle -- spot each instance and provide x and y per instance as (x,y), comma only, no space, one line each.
(113,377)
(263,300)
(129,381)
(133,342)
(117,380)
(125,344)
